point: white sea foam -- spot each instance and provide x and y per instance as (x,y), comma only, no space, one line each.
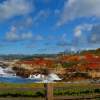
(53,77)
(6,72)
(50,78)
(39,76)
(9,73)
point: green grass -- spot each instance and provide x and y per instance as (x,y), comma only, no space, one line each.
(22,94)
(16,85)
(76,92)
(16,90)
(41,93)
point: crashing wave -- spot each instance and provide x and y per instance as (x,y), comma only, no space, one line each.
(50,78)
(7,72)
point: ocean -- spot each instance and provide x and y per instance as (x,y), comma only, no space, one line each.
(17,80)
(8,75)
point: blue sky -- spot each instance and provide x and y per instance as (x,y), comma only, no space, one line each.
(48,26)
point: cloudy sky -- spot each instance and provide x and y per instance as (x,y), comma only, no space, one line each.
(48,26)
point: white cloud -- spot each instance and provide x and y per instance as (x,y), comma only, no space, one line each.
(38,37)
(95,34)
(24,23)
(11,8)
(26,36)
(93,31)
(78,31)
(11,35)
(40,16)
(63,37)
(79,8)
(14,35)
(94,38)
(30,21)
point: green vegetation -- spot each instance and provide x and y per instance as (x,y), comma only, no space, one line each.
(41,93)
(76,91)
(96,52)
(15,93)
(69,64)
(25,85)
(30,90)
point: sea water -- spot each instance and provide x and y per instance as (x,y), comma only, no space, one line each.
(8,75)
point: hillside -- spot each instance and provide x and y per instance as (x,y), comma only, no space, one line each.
(96,51)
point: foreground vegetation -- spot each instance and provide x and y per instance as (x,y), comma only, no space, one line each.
(37,89)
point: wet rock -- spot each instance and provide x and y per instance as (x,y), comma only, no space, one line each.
(22,72)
